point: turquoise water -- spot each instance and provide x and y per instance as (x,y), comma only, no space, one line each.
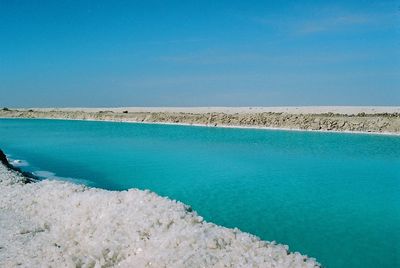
(332,196)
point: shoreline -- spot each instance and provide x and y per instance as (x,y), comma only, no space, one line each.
(60,223)
(342,110)
(213,126)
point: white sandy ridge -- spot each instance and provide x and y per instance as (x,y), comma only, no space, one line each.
(349,110)
(61,224)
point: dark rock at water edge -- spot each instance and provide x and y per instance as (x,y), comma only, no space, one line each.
(28,176)
(4,160)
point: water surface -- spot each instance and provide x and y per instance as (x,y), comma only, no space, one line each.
(332,196)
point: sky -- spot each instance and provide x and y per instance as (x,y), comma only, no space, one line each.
(199,53)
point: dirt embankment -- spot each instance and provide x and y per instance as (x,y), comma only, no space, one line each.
(379,123)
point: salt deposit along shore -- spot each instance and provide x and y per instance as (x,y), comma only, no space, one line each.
(61,224)
(384,120)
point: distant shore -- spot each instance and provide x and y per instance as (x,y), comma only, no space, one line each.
(379,120)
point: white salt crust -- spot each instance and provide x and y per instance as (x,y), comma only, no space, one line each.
(61,224)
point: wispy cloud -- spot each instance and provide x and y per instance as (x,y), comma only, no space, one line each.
(324,23)
(333,24)
(213,58)
(266,58)
(174,41)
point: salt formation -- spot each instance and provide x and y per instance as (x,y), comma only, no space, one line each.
(61,224)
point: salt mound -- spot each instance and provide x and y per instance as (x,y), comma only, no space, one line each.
(61,224)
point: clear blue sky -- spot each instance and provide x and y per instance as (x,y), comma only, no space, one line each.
(199,53)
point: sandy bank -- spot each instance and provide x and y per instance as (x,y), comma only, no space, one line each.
(344,110)
(385,120)
(60,224)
